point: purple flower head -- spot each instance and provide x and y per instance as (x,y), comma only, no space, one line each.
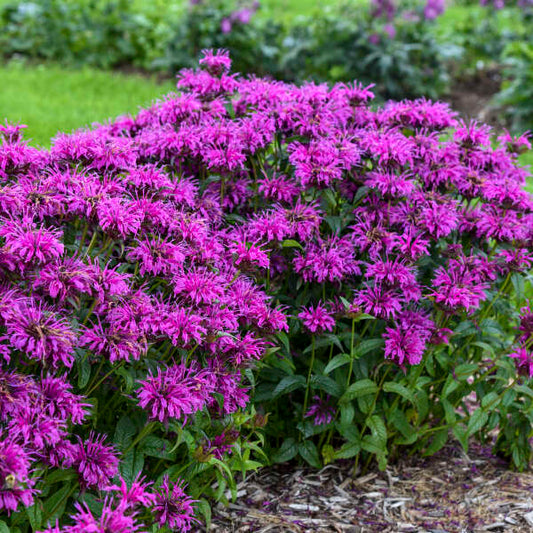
(176,392)
(317,319)
(17,485)
(524,361)
(321,412)
(95,462)
(173,508)
(216,62)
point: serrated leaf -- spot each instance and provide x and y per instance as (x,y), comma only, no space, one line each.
(368,346)
(377,427)
(397,388)
(204,510)
(438,441)
(289,384)
(131,464)
(326,384)
(358,389)
(54,506)
(338,361)
(35,515)
(124,433)
(286,452)
(477,421)
(309,453)
(84,372)
(490,401)
(156,447)
(290,243)
(348,450)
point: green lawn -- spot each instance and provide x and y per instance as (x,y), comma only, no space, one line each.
(50,98)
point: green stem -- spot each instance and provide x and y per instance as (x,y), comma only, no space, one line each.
(306,398)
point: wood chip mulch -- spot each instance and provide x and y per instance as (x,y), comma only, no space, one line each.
(449,492)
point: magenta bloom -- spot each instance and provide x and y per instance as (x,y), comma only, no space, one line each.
(17,484)
(524,361)
(175,392)
(41,334)
(317,319)
(95,462)
(321,412)
(173,508)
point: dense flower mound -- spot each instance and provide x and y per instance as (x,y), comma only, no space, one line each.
(149,263)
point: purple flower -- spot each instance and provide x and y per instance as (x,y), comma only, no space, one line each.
(321,412)
(176,392)
(95,462)
(17,484)
(524,361)
(173,508)
(317,319)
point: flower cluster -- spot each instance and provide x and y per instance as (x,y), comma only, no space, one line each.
(147,263)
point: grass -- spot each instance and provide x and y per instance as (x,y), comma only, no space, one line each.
(50,98)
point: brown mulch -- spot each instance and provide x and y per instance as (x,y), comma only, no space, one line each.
(449,492)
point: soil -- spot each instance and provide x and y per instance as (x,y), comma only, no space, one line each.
(451,492)
(472,97)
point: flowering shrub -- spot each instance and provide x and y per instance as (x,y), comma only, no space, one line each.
(397,240)
(127,322)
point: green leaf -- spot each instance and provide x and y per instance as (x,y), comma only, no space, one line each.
(35,515)
(286,452)
(204,510)
(124,433)
(377,427)
(84,372)
(309,453)
(54,506)
(438,441)
(338,361)
(461,434)
(327,385)
(360,388)
(289,384)
(464,371)
(348,450)
(289,243)
(130,465)
(368,346)
(490,401)
(396,388)
(3,527)
(477,421)
(156,447)
(60,475)
(373,445)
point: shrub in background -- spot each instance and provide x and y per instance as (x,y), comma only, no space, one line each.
(96,33)
(516,95)
(397,240)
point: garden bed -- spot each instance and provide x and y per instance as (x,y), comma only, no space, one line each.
(449,492)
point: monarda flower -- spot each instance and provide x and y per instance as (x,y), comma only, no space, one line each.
(176,392)
(173,508)
(16,485)
(95,462)
(59,402)
(524,361)
(320,411)
(41,334)
(317,319)
(30,243)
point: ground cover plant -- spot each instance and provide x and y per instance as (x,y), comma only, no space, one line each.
(360,273)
